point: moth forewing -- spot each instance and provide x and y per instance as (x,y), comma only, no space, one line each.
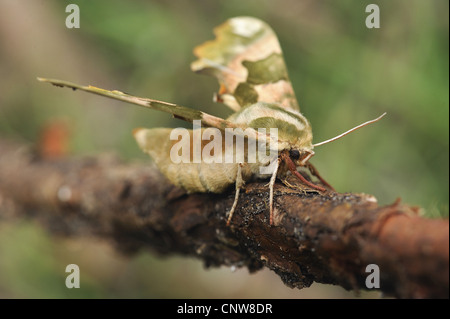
(247,60)
(182,112)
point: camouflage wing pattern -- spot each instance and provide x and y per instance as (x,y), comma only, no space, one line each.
(247,60)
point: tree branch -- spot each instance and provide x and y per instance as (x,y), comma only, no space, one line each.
(328,238)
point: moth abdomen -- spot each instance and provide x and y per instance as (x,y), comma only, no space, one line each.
(177,162)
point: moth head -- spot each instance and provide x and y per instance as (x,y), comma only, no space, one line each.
(300,156)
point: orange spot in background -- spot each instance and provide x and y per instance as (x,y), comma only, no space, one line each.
(54,139)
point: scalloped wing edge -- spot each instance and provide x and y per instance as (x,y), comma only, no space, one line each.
(247,60)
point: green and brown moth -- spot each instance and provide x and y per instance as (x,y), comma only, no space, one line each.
(247,60)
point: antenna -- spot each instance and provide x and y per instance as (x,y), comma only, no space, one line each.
(351,130)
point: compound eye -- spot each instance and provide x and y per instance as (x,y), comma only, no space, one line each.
(294,154)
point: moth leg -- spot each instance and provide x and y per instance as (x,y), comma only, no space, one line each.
(271,185)
(314,171)
(285,182)
(239,184)
(291,166)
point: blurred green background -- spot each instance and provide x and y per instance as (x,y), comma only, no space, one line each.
(342,72)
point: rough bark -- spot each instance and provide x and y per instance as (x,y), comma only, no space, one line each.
(328,238)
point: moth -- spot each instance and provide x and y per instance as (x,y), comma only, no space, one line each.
(247,60)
